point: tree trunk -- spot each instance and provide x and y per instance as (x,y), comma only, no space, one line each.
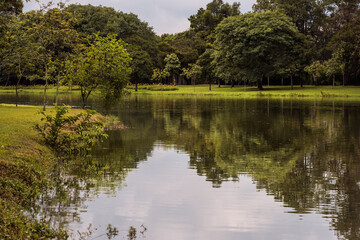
(174,80)
(346,74)
(16,90)
(82,97)
(136,88)
(232,84)
(85,97)
(17,85)
(333,82)
(209,86)
(7,80)
(282,81)
(57,89)
(315,79)
(301,83)
(292,82)
(259,83)
(219,85)
(46,83)
(343,79)
(268,79)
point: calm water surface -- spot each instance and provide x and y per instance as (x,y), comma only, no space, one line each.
(212,168)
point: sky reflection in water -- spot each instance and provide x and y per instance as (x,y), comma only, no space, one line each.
(173,202)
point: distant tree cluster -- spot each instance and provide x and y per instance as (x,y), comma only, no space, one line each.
(301,42)
(91,47)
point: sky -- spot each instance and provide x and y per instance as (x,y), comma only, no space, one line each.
(165,16)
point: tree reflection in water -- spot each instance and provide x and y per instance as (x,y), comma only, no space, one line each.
(304,153)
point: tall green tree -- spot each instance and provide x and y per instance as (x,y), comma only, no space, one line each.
(193,72)
(255,45)
(159,75)
(193,43)
(18,53)
(335,66)
(173,66)
(333,24)
(103,65)
(316,69)
(126,26)
(204,61)
(346,39)
(9,9)
(141,65)
(51,32)
(187,46)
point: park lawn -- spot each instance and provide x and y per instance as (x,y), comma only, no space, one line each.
(252,92)
(38,89)
(339,92)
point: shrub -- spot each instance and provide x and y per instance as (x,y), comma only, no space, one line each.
(70,134)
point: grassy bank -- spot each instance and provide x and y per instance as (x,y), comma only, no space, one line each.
(348,92)
(252,92)
(38,89)
(24,166)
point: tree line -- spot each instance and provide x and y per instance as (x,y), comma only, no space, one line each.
(291,42)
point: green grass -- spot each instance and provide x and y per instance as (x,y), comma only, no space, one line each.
(252,92)
(38,89)
(348,92)
(25,164)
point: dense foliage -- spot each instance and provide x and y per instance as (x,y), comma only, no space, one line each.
(70,134)
(35,45)
(104,64)
(254,45)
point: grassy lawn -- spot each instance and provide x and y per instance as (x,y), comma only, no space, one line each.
(272,91)
(25,164)
(352,92)
(38,89)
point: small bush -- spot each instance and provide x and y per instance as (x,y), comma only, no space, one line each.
(70,134)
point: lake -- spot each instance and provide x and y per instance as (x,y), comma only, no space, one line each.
(216,168)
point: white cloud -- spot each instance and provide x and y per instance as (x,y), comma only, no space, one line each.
(165,16)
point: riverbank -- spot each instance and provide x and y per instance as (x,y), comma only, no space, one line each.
(38,89)
(349,92)
(25,164)
(338,92)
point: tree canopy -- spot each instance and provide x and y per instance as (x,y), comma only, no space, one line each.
(104,64)
(11,6)
(255,45)
(126,26)
(205,21)
(172,66)
(54,32)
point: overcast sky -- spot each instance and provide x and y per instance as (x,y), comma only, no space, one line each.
(165,16)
